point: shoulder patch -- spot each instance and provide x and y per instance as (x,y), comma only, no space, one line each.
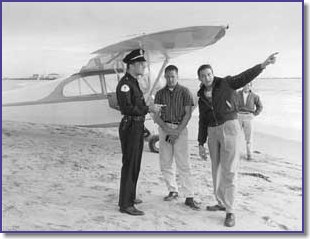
(125,88)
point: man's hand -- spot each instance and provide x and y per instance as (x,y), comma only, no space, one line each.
(202,152)
(270,60)
(155,108)
(171,139)
(171,131)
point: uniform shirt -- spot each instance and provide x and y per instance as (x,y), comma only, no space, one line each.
(175,102)
(130,97)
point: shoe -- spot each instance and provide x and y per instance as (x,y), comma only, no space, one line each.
(131,211)
(192,203)
(171,196)
(216,208)
(229,220)
(137,201)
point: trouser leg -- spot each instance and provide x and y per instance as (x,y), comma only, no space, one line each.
(230,156)
(131,137)
(248,136)
(183,164)
(214,150)
(166,161)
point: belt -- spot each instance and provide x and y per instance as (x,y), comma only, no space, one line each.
(169,122)
(135,118)
(214,125)
(245,113)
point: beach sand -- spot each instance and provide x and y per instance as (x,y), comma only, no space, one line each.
(61,178)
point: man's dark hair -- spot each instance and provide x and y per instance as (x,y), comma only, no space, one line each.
(203,67)
(171,68)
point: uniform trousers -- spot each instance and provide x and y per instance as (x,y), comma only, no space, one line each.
(131,136)
(177,152)
(224,151)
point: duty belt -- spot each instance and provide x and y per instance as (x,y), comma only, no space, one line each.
(244,112)
(135,118)
(169,122)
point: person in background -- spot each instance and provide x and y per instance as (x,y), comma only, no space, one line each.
(173,136)
(218,122)
(249,106)
(131,130)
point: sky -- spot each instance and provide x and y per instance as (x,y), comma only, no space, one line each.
(51,37)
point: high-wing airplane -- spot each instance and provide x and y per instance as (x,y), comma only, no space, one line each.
(88,97)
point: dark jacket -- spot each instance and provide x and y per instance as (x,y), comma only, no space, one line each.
(130,97)
(224,105)
(253,103)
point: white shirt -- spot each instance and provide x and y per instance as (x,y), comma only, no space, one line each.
(245,97)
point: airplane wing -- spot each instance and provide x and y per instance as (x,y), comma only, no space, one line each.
(158,46)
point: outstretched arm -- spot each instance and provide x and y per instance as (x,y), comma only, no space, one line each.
(270,60)
(247,76)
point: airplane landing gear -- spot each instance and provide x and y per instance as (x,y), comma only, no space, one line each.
(154,143)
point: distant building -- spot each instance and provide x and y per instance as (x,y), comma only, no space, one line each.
(52,76)
(35,76)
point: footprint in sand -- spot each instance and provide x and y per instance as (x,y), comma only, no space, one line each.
(176,220)
(294,188)
(7,134)
(273,223)
(99,219)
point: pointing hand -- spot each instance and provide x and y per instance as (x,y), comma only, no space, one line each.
(270,60)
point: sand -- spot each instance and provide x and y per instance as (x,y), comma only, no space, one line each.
(61,178)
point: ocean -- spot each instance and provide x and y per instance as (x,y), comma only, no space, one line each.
(282,106)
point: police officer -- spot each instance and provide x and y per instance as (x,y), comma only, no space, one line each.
(131,130)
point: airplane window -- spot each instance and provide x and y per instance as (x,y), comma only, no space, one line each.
(89,85)
(111,82)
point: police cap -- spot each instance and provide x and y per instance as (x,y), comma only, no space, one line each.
(134,56)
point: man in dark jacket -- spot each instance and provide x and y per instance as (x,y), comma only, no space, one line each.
(218,121)
(249,106)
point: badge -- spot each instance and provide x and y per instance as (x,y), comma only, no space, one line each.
(125,88)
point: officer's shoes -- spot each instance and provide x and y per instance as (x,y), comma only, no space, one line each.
(171,196)
(230,220)
(137,201)
(192,204)
(131,211)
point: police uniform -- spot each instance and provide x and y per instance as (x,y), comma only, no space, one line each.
(131,130)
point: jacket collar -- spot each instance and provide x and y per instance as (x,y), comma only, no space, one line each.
(200,92)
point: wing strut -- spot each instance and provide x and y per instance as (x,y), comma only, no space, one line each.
(157,79)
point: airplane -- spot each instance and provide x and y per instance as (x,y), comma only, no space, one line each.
(88,98)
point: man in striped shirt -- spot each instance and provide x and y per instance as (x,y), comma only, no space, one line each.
(173,135)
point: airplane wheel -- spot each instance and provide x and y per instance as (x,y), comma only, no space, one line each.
(154,144)
(147,133)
